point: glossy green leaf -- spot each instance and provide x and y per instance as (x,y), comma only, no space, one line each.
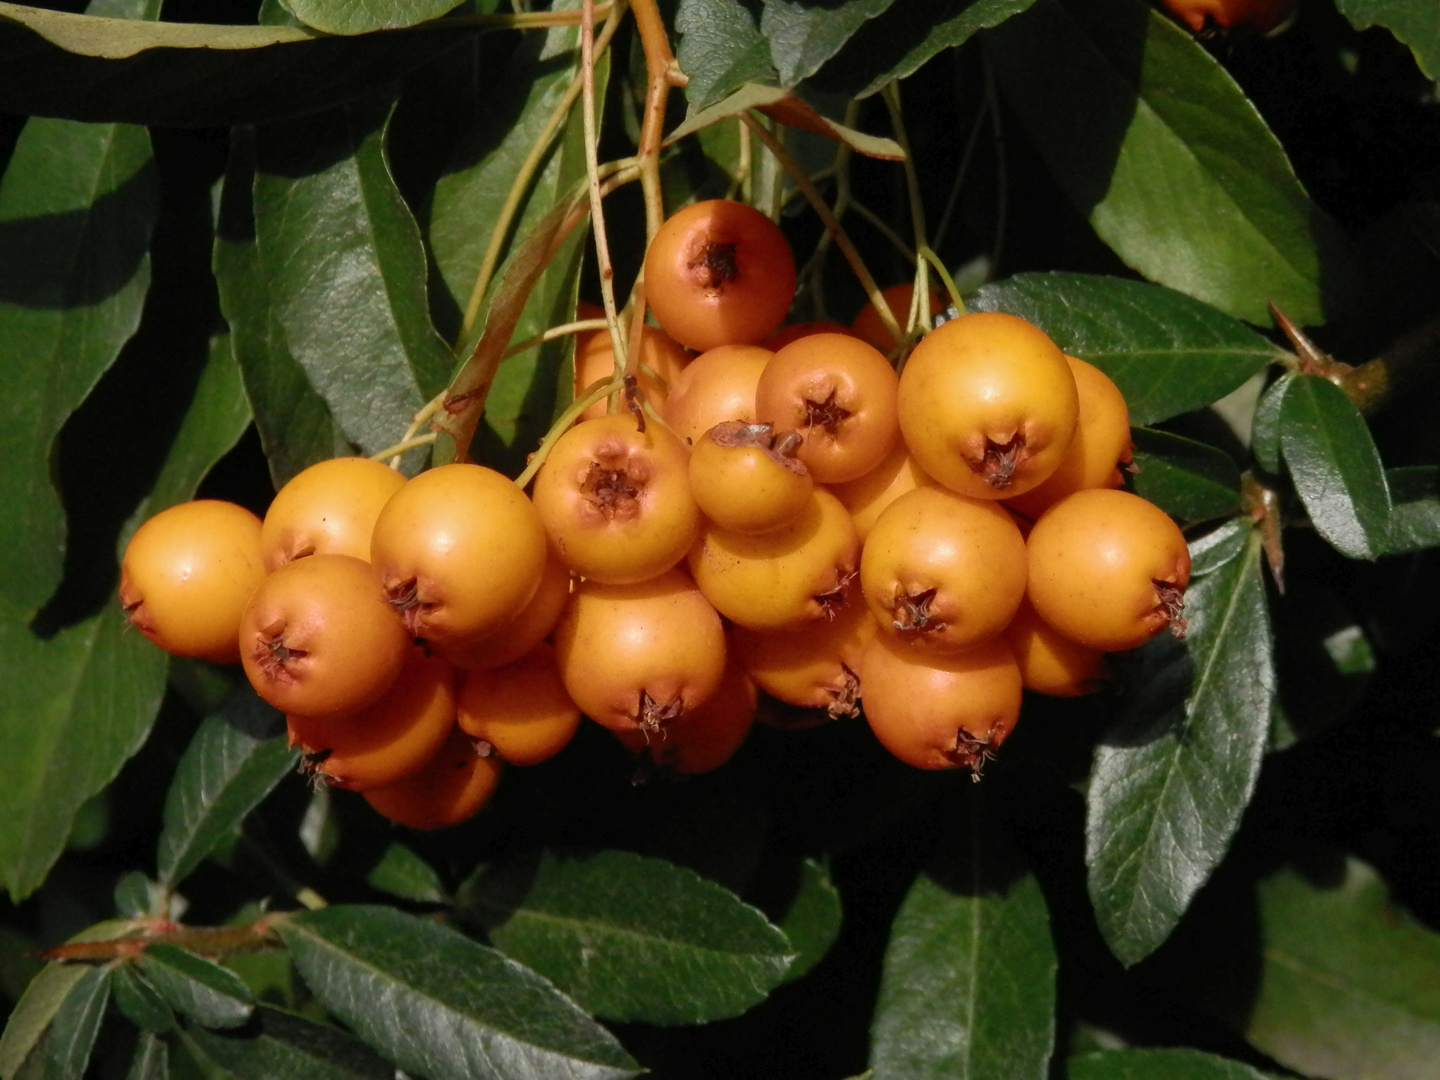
(1411,21)
(77,204)
(1173,776)
(83,67)
(33,1014)
(1265,426)
(721,49)
(400,872)
(1178,1064)
(151,1060)
(295,425)
(630,937)
(345,270)
(812,921)
(366,16)
(439,1004)
(897,43)
(794,112)
(235,759)
(802,36)
(1167,353)
(1187,479)
(1349,983)
(72,710)
(1335,467)
(139,1001)
(968,986)
(1152,140)
(198,988)
(76,1025)
(1217,547)
(1415,515)
(278,1045)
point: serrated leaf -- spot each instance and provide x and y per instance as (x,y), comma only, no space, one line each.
(346,271)
(72,710)
(1179,1064)
(968,985)
(1152,141)
(295,425)
(82,67)
(1415,514)
(1411,21)
(1217,547)
(812,921)
(630,937)
(400,872)
(77,204)
(437,1003)
(1349,983)
(1173,776)
(802,37)
(68,1043)
(895,44)
(151,1060)
(278,1045)
(1335,467)
(366,16)
(1187,479)
(1168,353)
(235,759)
(1265,426)
(721,48)
(139,1001)
(792,111)
(195,987)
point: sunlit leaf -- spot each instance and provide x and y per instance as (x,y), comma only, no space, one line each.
(802,37)
(365,16)
(792,111)
(721,49)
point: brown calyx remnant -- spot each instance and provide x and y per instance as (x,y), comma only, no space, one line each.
(912,613)
(833,601)
(404,597)
(997,466)
(847,695)
(780,446)
(609,491)
(714,265)
(652,715)
(273,656)
(971,752)
(1172,602)
(826,414)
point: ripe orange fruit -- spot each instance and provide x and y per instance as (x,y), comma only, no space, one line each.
(329,508)
(521,709)
(1256,16)
(187,574)
(532,625)
(719,273)
(868,325)
(708,737)
(717,386)
(747,478)
(662,358)
(815,665)
(1050,663)
(450,787)
(867,496)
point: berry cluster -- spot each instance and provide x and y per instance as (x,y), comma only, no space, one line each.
(793,517)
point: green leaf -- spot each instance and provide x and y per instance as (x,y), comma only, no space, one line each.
(1335,467)
(82,67)
(1173,776)
(812,921)
(631,937)
(721,49)
(198,988)
(346,270)
(968,986)
(1167,353)
(1217,547)
(34,1012)
(1180,1064)
(1411,21)
(365,16)
(437,1003)
(235,759)
(151,1060)
(1265,426)
(77,204)
(1415,515)
(295,425)
(72,1033)
(802,37)
(794,112)
(278,1045)
(1349,983)
(1187,479)
(898,42)
(139,1001)
(1152,141)
(72,710)
(400,872)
